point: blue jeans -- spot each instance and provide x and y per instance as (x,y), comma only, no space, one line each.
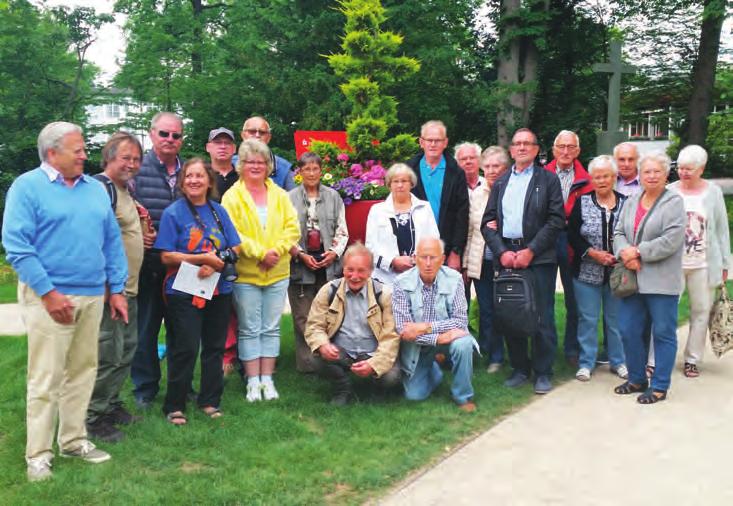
(590,298)
(145,367)
(543,352)
(427,375)
(571,347)
(490,343)
(634,314)
(259,309)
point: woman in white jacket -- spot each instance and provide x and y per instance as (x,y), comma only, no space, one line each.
(395,226)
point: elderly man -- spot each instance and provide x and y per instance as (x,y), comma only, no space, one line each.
(430,315)
(62,239)
(121,157)
(574,181)
(627,158)
(522,221)
(155,188)
(467,155)
(442,183)
(258,128)
(351,328)
(221,148)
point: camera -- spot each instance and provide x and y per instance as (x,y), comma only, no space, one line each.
(229,257)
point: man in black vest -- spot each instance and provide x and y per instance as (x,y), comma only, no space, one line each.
(442,183)
(155,188)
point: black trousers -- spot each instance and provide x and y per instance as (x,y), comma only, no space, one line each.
(192,326)
(339,372)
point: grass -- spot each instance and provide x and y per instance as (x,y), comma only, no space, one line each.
(298,450)
(8,282)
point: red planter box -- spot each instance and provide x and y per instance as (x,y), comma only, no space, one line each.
(356,219)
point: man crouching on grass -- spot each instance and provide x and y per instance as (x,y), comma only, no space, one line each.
(351,329)
(429,306)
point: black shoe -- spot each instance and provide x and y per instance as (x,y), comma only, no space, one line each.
(103,430)
(120,416)
(143,403)
(341,399)
(516,380)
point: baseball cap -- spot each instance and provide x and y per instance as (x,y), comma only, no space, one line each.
(219,131)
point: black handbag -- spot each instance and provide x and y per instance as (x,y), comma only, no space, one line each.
(515,305)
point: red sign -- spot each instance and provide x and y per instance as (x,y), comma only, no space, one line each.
(303,139)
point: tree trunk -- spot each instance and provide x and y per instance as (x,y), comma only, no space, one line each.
(703,74)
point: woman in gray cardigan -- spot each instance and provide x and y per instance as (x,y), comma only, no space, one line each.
(656,256)
(316,259)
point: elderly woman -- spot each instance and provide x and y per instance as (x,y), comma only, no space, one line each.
(316,259)
(196,230)
(590,233)
(477,258)
(648,239)
(706,254)
(268,226)
(395,226)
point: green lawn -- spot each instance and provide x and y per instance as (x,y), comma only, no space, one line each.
(7,282)
(298,450)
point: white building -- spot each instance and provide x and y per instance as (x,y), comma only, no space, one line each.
(117,111)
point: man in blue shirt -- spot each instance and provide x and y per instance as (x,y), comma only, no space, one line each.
(258,128)
(62,238)
(523,218)
(442,183)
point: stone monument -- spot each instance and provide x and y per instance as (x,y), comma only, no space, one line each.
(605,141)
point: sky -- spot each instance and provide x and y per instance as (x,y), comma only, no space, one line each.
(109,48)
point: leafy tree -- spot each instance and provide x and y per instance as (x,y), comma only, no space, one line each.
(37,72)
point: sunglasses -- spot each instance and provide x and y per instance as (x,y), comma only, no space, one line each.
(165,134)
(255,131)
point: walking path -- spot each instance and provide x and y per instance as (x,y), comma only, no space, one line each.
(10,321)
(583,445)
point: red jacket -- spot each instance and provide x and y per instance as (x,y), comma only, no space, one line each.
(581,184)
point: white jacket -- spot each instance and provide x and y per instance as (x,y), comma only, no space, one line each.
(382,242)
(473,255)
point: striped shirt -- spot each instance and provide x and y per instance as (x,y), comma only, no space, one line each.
(403,313)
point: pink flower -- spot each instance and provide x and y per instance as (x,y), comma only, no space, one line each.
(342,157)
(356,170)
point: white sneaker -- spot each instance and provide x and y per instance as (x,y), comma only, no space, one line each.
(621,371)
(269,392)
(39,469)
(88,453)
(493,368)
(583,374)
(254,392)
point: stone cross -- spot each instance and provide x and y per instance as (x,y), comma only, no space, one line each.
(611,137)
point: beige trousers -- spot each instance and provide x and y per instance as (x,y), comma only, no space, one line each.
(62,367)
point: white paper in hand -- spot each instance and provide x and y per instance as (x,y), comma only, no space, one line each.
(188,281)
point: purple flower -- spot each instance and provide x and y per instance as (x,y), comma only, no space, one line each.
(347,201)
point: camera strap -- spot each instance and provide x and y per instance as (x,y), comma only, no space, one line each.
(200,222)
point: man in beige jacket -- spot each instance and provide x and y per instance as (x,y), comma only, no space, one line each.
(351,328)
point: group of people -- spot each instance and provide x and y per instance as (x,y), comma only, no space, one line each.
(101,263)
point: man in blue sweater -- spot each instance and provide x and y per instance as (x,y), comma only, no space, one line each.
(62,238)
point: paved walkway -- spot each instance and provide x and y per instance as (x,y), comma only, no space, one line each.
(10,321)
(582,445)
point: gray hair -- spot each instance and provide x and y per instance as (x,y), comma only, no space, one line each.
(399,169)
(358,249)
(244,125)
(625,145)
(165,114)
(52,135)
(433,123)
(496,151)
(467,145)
(109,151)
(692,155)
(659,157)
(602,161)
(432,238)
(567,132)
(254,147)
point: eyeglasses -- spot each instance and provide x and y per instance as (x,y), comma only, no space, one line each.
(165,134)
(432,141)
(256,132)
(523,144)
(569,147)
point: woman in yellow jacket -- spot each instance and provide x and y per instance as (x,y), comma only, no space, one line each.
(268,227)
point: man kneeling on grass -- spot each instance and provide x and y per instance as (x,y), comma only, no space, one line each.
(429,304)
(351,329)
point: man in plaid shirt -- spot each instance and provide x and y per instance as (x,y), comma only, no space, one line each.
(429,306)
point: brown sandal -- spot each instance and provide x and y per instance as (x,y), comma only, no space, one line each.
(691,370)
(627,388)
